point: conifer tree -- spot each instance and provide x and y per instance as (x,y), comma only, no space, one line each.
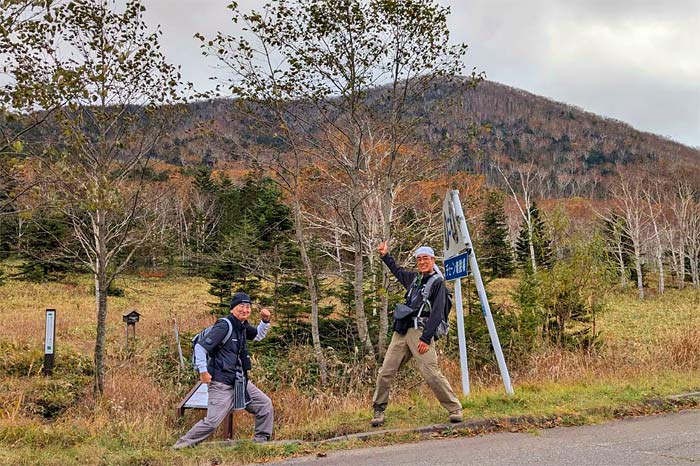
(496,252)
(540,239)
(253,242)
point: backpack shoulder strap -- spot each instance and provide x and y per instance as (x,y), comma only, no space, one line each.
(229,332)
(425,292)
(429,285)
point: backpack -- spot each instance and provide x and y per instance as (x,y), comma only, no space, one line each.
(444,327)
(203,334)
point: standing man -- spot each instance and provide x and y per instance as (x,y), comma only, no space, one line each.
(413,334)
(227,373)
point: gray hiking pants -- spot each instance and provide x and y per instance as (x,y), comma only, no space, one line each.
(221,403)
(401,349)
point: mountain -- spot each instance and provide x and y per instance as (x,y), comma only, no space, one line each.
(575,152)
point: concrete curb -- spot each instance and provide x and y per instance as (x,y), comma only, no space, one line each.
(685,396)
(480,425)
(477,426)
(492,425)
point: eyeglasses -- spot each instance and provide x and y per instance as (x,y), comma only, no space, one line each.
(423,259)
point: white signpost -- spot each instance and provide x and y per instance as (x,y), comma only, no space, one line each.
(459,257)
(49,341)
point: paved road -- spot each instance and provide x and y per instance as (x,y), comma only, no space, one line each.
(664,440)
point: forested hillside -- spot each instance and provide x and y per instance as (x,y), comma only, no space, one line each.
(574,151)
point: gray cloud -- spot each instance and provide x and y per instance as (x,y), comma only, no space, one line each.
(633,60)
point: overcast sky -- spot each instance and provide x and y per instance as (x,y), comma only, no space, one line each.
(634,60)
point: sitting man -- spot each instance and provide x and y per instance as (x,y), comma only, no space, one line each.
(227,374)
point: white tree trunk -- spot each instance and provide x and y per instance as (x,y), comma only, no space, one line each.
(313,293)
(657,243)
(638,267)
(101,287)
(358,283)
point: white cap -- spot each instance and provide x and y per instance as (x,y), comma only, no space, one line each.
(424,251)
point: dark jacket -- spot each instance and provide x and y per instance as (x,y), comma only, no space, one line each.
(437,298)
(233,355)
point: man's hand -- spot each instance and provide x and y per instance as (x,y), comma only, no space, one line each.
(205,377)
(383,248)
(265,314)
(423,347)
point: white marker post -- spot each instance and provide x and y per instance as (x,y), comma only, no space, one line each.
(456,205)
(49,341)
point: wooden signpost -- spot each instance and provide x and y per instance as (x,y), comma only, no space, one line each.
(198,398)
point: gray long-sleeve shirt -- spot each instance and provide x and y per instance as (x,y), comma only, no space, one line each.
(200,354)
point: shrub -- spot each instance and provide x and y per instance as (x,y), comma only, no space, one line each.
(19,359)
(565,301)
(516,333)
(164,362)
(49,398)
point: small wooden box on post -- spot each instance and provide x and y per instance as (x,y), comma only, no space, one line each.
(130,319)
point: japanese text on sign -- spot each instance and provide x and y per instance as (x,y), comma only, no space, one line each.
(457,267)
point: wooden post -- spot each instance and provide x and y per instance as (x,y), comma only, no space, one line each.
(228,426)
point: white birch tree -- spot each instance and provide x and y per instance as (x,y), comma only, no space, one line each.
(112,75)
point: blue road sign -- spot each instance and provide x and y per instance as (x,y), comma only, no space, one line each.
(457,266)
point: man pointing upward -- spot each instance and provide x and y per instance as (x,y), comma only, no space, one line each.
(414,333)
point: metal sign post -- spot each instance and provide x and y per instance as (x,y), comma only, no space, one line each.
(456,267)
(49,341)
(452,207)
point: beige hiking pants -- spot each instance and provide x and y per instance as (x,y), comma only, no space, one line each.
(401,349)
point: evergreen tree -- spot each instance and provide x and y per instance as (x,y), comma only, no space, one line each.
(496,252)
(527,296)
(203,181)
(40,248)
(8,234)
(540,239)
(253,243)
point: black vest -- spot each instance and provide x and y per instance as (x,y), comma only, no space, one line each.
(413,299)
(233,355)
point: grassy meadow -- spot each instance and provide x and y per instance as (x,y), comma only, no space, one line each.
(651,350)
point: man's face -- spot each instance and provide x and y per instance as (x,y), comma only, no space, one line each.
(241,311)
(425,263)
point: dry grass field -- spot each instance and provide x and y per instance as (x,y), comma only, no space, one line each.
(651,349)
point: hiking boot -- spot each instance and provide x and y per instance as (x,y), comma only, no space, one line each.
(378,418)
(179,445)
(456,416)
